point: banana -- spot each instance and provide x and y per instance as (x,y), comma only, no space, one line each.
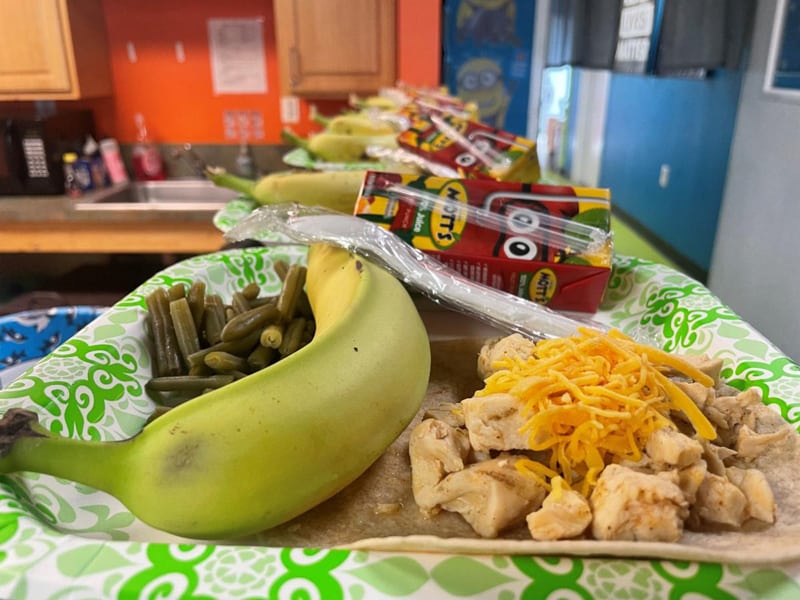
(274,444)
(377,102)
(358,124)
(338,147)
(337,190)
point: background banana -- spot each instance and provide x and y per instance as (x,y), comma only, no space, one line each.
(271,445)
(355,124)
(337,190)
(339,147)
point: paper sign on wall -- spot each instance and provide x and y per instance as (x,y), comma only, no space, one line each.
(238,63)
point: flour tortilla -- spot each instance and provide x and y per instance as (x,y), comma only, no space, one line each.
(378,512)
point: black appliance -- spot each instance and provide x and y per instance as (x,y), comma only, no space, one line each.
(32,147)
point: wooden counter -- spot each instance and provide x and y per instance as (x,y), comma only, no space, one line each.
(52,224)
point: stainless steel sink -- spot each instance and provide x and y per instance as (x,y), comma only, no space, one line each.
(171,194)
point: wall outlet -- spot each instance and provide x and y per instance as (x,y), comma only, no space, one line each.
(663,176)
(290,109)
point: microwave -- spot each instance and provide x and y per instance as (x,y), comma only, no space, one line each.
(32,146)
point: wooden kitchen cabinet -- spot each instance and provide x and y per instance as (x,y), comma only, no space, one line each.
(328,48)
(53,50)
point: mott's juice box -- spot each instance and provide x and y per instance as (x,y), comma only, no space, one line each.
(470,147)
(548,244)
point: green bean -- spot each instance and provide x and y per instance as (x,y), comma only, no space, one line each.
(293,336)
(188,383)
(202,344)
(291,290)
(175,291)
(249,321)
(308,331)
(262,300)
(272,335)
(214,318)
(261,357)
(239,346)
(167,357)
(251,291)
(196,297)
(281,267)
(304,306)
(225,361)
(185,331)
(240,303)
(200,369)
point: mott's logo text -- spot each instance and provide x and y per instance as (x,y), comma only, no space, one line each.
(449,220)
(542,286)
(441,140)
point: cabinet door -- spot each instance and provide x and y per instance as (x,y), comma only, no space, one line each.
(335,48)
(32,51)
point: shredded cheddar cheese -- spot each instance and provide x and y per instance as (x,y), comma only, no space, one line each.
(593,399)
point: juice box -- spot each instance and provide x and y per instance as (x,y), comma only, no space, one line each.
(548,244)
(471,147)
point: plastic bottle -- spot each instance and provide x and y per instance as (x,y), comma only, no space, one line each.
(71,186)
(147,162)
(244,162)
(91,152)
(109,149)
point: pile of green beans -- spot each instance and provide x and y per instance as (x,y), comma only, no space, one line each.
(202,343)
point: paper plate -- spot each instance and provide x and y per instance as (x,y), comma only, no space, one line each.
(26,337)
(301,159)
(60,539)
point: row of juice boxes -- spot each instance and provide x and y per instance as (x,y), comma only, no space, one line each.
(494,223)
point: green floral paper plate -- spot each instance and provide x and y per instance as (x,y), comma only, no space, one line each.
(61,540)
(300,158)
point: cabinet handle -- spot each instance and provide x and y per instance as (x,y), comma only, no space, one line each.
(294,67)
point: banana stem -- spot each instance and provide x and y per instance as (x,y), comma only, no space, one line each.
(224,179)
(27,446)
(290,137)
(321,119)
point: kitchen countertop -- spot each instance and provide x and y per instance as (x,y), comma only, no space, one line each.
(56,224)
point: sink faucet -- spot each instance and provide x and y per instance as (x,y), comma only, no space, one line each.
(195,161)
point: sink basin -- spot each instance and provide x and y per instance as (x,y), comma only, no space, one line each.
(176,194)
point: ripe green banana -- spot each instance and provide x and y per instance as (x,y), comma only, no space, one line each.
(274,444)
(357,124)
(337,190)
(339,147)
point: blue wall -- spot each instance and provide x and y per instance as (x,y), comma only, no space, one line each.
(687,124)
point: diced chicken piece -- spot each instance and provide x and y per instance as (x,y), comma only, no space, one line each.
(628,505)
(448,412)
(498,348)
(691,478)
(728,413)
(715,457)
(435,449)
(697,392)
(710,366)
(494,422)
(491,495)
(756,488)
(750,444)
(669,449)
(720,502)
(749,397)
(564,514)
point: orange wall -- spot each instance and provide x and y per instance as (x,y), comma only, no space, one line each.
(176,98)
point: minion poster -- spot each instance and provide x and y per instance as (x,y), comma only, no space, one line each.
(487,58)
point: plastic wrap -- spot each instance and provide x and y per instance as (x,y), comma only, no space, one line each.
(422,273)
(401,156)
